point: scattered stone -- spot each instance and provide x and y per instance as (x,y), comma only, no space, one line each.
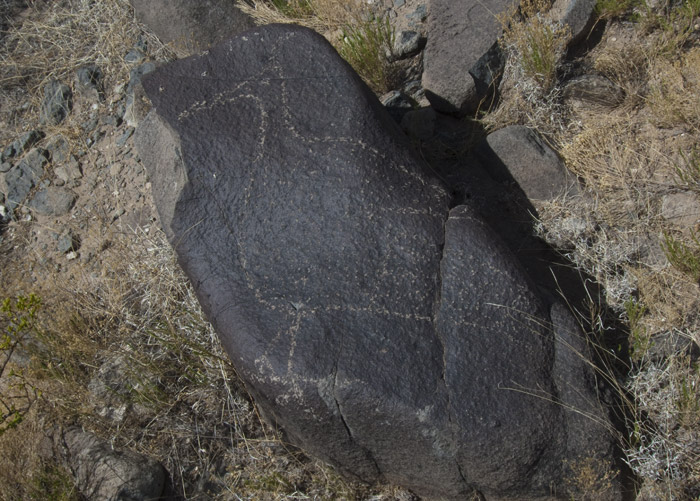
(121,141)
(91,123)
(681,208)
(328,259)
(594,90)
(414,88)
(134,56)
(577,14)
(407,44)
(95,137)
(399,3)
(192,26)
(20,179)
(417,16)
(89,81)
(136,105)
(5,166)
(5,215)
(53,200)
(22,144)
(397,104)
(419,124)
(462,60)
(104,473)
(59,150)
(58,102)
(70,171)
(68,242)
(517,153)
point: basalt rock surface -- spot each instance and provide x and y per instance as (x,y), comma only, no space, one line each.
(387,332)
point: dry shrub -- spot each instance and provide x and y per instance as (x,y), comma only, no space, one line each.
(530,96)
(674,96)
(57,39)
(627,66)
(324,16)
(536,43)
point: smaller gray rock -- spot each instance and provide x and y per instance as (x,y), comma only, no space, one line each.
(59,150)
(593,90)
(536,168)
(69,172)
(58,102)
(22,144)
(419,124)
(121,140)
(20,179)
(53,200)
(5,215)
(418,15)
(89,80)
(399,3)
(135,56)
(576,14)
(67,242)
(407,44)
(681,208)
(397,104)
(135,105)
(5,166)
(107,474)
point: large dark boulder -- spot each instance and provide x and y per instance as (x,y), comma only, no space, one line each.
(388,334)
(191,26)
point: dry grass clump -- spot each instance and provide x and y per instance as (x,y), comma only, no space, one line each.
(632,159)
(325,16)
(530,95)
(674,87)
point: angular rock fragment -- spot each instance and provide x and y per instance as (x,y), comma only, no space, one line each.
(576,14)
(462,60)
(58,102)
(386,332)
(517,153)
(21,178)
(104,473)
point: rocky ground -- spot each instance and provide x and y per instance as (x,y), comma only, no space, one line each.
(119,347)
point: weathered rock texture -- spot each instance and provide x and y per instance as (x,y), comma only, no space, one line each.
(519,154)
(191,26)
(111,475)
(462,60)
(388,334)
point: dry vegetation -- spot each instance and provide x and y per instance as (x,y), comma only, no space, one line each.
(126,353)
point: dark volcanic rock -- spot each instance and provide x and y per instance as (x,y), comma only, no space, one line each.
(22,144)
(391,336)
(462,59)
(21,178)
(58,102)
(192,26)
(53,200)
(577,14)
(104,473)
(518,154)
